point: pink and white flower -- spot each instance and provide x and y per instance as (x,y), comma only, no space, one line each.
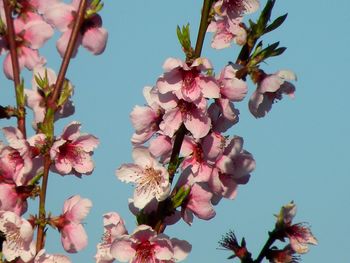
(30,36)
(146,119)
(92,35)
(72,151)
(187,82)
(114,227)
(233,167)
(144,245)
(18,234)
(151,179)
(300,235)
(270,89)
(15,159)
(73,235)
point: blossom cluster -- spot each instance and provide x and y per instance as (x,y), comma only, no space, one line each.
(24,161)
(35,23)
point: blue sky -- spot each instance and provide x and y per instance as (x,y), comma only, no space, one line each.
(301,147)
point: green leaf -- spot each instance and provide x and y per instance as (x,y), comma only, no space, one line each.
(66,92)
(276,23)
(264,18)
(180,196)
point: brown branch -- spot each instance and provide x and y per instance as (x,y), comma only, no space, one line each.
(11,38)
(68,55)
(50,110)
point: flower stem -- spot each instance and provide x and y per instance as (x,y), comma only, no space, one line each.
(49,119)
(268,244)
(68,54)
(11,37)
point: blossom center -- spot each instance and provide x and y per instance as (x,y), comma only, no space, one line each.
(144,252)
(189,79)
(71,152)
(150,179)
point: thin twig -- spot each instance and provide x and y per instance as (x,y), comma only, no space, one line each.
(11,38)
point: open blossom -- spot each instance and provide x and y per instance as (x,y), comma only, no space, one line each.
(151,179)
(227,31)
(91,35)
(15,159)
(114,227)
(226,24)
(72,151)
(18,234)
(35,98)
(193,115)
(69,223)
(187,82)
(198,201)
(269,90)
(233,167)
(144,245)
(299,234)
(31,34)
(146,119)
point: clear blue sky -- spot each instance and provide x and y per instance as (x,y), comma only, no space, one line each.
(301,147)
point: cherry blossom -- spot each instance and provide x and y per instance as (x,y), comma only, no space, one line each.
(299,234)
(92,35)
(114,227)
(269,90)
(72,151)
(187,82)
(151,179)
(18,234)
(31,34)
(144,245)
(69,223)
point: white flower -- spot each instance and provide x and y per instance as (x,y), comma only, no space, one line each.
(151,179)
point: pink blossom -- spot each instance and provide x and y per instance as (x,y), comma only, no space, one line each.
(187,82)
(270,89)
(146,119)
(36,98)
(236,8)
(12,199)
(18,237)
(196,159)
(114,227)
(42,257)
(144,245)
(73,235)
(15,159)
(299,234)
(72,151)
(161,146)
(198,203)
(227,31)
(193,115)
(233,167)
(92,35)
(151,179)
(30,36)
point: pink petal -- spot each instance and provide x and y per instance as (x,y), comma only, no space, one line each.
(181,249)
(122,249)
(128,173)
(60,15)
(172,120)
(198,123)
(210,88)
(62,43)
(37,33)
(95,40)
(74,238)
